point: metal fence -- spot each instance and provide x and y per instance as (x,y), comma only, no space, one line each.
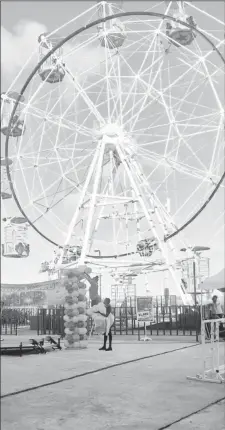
(14,318)
(8,329)
(168,321)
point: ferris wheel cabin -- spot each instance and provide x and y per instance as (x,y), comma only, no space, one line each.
(146,247)
(5,194)
(51,70)
(17,127)
(15,238)
(113,35)
(179,34)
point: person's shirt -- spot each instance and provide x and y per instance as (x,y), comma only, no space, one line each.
(216,308)
(108,310)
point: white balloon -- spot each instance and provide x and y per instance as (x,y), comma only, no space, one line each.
(68,331)
(82,291)
(82,317)
(68,306)
(81,305)
(82,330)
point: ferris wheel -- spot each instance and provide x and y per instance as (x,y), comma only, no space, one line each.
(115,134)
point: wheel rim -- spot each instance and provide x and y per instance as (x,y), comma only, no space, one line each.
(7,143)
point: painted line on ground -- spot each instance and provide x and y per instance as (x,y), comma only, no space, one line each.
(167,426)
(91,372)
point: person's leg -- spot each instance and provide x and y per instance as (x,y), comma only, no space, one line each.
(104,346)
(110,341)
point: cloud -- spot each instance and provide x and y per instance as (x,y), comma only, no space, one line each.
(17,46)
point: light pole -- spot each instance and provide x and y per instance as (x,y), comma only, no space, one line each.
(100,276)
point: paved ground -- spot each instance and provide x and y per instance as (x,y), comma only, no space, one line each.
(211,418)
(147,394)
(25,335)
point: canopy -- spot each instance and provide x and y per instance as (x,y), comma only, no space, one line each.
(216,282)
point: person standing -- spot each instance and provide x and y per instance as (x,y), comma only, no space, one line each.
(215,313)
(216,308)
(109,322)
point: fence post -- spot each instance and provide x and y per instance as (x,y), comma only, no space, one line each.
(157,318)
(55,321)
(184,319)
(114,321)
(177,321)
(38,321)
(198,324)
(132,321)
(44,321)
(62,327)
(126,316)
(171,320)
(120,323)
(163,313)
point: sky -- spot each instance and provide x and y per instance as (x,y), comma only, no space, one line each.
(21,23)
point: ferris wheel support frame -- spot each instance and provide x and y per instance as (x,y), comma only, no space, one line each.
(149,219)
(84,190)
(93,201)
(51,52)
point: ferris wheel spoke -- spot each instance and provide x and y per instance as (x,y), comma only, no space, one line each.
(202,11)
(178,166)
(54,119)
(53,184)
(84,95)
(180,137)
(134,119)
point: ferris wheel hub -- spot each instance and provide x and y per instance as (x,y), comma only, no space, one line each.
(111,130)
(113,134)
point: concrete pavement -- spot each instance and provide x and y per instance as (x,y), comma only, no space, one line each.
(148,394)
(211,418)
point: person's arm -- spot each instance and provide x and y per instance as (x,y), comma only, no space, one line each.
(103,315)
(108,311)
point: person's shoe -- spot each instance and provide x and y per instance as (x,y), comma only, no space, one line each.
(109,349)
(103,348)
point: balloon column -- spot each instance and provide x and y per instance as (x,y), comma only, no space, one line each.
(75,318)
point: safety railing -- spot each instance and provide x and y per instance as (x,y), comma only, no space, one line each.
(212,352)
(168,321)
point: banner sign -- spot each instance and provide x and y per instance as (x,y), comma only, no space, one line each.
(145,310)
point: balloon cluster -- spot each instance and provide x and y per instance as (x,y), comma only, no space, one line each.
(75,318)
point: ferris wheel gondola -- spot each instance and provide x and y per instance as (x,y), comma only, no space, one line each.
(179,34)
(5,189)
(17,126)
(51,70)
(112,34)
(16,243)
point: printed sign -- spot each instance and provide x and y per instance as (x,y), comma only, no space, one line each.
(145,310)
